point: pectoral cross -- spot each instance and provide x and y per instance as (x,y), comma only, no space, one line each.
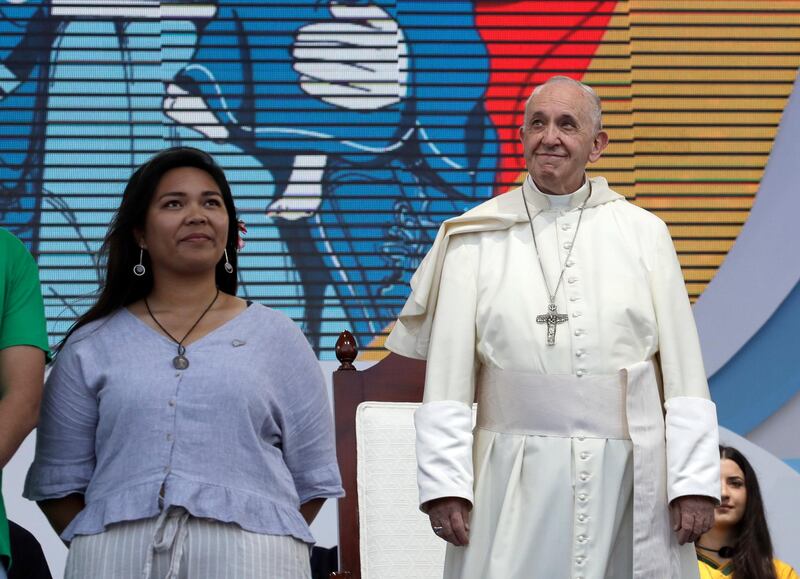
(552,318)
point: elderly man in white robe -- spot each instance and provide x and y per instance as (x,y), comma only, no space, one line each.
(561,307)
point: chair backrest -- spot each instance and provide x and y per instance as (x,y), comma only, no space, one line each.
(382,533)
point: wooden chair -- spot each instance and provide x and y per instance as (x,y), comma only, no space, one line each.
(382,533)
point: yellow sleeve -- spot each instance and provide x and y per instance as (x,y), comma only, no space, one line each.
(784,571)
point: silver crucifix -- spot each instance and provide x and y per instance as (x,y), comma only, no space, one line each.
(552,318)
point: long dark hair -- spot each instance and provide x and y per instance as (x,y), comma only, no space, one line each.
(752,558)
(120,251)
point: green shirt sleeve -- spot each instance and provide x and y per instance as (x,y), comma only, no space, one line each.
(22,322)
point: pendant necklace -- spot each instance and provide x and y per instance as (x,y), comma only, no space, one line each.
(181,362)
(552,318)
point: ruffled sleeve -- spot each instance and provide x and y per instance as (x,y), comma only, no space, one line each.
(65,438)
(308,440)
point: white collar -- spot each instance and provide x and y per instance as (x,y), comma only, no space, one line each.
(555,202)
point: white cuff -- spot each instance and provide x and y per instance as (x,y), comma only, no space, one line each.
(444,450)
(692,448)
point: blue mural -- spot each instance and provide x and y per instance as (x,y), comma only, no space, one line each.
(337,123)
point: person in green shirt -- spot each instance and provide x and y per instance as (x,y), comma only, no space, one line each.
(23,353)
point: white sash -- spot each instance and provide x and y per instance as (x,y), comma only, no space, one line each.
(552,405)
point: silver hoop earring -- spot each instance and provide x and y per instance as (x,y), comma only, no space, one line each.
(228,266)
(139,270)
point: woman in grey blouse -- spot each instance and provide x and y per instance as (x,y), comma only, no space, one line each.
(183,433)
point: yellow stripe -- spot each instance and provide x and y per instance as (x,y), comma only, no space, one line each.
(777,33)
(651,161)
(702,217)
(725,44)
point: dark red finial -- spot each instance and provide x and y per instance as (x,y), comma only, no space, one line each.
(346,350)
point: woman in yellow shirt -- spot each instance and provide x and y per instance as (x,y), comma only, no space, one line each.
(738,546)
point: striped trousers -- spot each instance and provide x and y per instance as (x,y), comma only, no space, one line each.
(176,545)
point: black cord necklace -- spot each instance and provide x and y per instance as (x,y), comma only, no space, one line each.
(181,362)
(725,551)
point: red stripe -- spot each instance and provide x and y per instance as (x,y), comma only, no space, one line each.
(539,37)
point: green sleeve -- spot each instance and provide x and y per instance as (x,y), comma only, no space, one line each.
(23,322)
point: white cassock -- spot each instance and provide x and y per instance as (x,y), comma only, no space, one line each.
(581,445)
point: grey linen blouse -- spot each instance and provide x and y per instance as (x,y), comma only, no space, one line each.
(243,435)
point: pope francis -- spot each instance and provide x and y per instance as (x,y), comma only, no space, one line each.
(561,308)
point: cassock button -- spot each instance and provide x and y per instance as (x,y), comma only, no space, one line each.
(577,314)
(574,298)
(580,372)
(580,353)
(581,518)
(566,227)
(584,455)
(582,497)
(582,538)
(584,476)
(570,263)
(567,245)
(572,280)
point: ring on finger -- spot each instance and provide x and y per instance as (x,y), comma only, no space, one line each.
(438,530)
